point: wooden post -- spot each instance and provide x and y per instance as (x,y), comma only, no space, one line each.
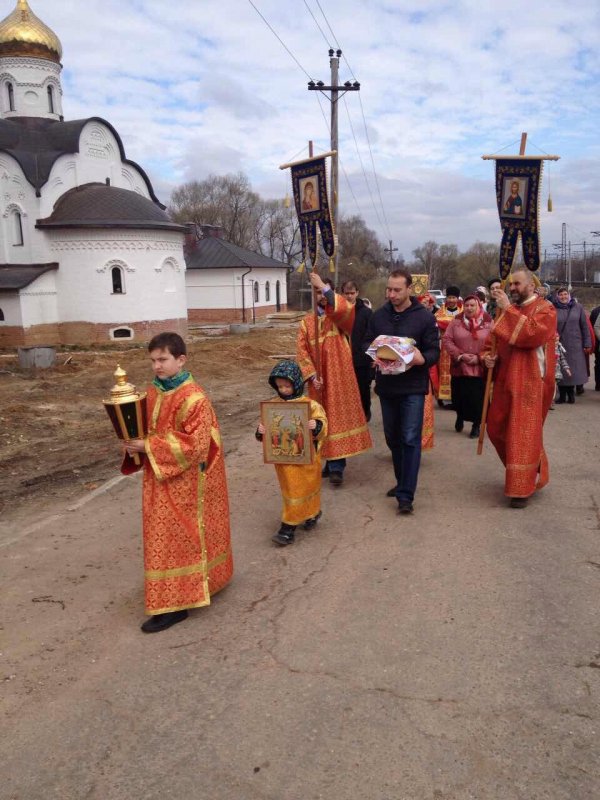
(486,400)
(315,304)
(523,144)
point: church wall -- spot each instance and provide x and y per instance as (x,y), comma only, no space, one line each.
(17,195)
(10,304)
(39,301)
(151,269)
(30,78)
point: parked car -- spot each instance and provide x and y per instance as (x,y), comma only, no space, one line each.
(439,296)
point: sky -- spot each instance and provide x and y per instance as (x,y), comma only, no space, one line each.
(205,87)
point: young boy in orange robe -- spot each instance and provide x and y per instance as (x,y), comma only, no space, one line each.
(187,545)
(300,483)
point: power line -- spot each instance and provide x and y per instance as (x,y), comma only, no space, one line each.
(327,42)
(362,164)
(283,44)
(387,227)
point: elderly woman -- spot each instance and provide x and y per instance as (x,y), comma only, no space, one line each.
(574,334)
(464,340)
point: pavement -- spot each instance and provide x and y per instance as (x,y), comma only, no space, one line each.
(450,655)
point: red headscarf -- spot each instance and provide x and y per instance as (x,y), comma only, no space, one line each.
(475,322)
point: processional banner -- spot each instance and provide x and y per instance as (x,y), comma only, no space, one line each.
(517,194)
(309,182)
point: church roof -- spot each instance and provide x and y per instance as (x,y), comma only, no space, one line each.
(215,253)
(36,143)
(24,34)
(18,276)
(97,205)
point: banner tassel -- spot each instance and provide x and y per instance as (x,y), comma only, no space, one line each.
(301,267)
(331,265)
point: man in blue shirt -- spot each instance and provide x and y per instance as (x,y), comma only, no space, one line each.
(402,396)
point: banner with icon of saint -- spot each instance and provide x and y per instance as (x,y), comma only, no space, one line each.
(517,194)
(309,183)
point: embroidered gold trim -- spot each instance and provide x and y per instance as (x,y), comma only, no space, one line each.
(517,330)
(155,468)
(176,450)
(298,501)
(181,572)
(337,436)
(185,407)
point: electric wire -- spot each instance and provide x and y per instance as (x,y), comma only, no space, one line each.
(362,166)
(283,44)
(327,42)
(387,227)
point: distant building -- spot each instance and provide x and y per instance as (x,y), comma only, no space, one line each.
(227,283)
(87,252)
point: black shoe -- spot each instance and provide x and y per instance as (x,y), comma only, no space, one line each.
(391,492)
(459,425)
(160,622)
(325,470)
(597,388)
(579,389)
(559,401)
(405,507)
(475,430)
(312,521)
(336,478)
(518,502)
(285,535)
(571,397)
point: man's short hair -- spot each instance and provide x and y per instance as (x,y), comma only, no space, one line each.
(329,282)
(168,341)
(401,273)
(527,272)
(349,285)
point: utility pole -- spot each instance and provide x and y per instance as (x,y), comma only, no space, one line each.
(584,262)
(563,251)
(391,250)
(335,93)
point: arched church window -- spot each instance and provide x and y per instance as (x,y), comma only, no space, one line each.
(1,315)
(17,229)
(11,96)
(51,99)
(117,280)
(267,292)
(256,292)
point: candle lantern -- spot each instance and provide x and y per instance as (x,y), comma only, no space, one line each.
(126,409)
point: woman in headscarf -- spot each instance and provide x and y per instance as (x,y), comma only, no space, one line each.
(574,334)
(464,340)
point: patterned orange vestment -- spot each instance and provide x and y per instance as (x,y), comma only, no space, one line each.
(427,435)
(348,433)
(301,483)
(522,395)
(444,317)
(187,545)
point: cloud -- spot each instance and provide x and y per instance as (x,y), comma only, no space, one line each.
(207,88)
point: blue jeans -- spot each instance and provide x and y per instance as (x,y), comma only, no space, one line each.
(336,465)
(402,426)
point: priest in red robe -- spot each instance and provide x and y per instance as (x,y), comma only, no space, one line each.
(524,332)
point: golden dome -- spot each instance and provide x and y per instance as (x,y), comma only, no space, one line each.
(24,34)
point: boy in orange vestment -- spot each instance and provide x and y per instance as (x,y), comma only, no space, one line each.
(336,389)
(523,384)
(187,546)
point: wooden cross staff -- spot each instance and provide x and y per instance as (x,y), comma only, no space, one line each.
(488,382)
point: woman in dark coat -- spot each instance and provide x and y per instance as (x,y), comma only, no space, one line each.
(573,330)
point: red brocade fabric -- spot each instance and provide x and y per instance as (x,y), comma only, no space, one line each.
(348,434)
(187,546)
(521,396)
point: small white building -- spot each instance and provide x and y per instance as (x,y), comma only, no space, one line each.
(87,252)
(227,283)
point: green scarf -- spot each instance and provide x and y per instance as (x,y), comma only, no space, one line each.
(168,384)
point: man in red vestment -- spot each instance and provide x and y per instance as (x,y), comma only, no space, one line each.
(524,331)
(336,388)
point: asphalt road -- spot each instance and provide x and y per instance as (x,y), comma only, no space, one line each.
(447,656)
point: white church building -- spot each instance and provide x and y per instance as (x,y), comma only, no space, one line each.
(87,252)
